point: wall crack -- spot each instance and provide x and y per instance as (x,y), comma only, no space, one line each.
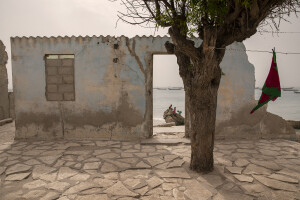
(132,53)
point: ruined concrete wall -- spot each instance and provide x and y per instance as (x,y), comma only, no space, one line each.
(113,87)
(4,102)
(111,99)
(237,85)
(11,105)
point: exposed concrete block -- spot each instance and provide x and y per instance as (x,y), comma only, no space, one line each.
(54,79)
(51,88)
(54,97)
(66,70)
(68,79)
(66,88)
(67,62)
(51,70)
(53,62)
(69,96)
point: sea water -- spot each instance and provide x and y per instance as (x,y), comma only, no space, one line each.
(287,106)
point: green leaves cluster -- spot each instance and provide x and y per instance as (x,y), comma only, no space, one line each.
(198,13)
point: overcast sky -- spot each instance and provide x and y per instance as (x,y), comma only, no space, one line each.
(98,17)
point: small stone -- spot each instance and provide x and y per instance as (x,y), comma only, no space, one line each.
(254,188)
(126,155)
(13,195)
(40,170)
(211,180)
(266,164)
(104,182)
(290,173)
(49,177)
(142,165)
(156,191)
(141,174)
(241,162)
(120,190)
(2,169)
(108,167)
(153,161)
(78,188)
(91,165)
(65,172)
(169,158)
(244,178)
(33,152)
(17,177)
(49,159)
(58,185)
(269,152)
(78,166)
(34,194)
(175,163)
(283,178)
(154,182)
(142,191)
(17,169)
(162,166)
(32,162)
(178,195)
(111,175)
(173,173)
(34,184)
(276,184)
(51,196)
(224,161)
(135,183)
(93,196)
(63,198)
(169,186)
(121,165)
(102,151)
(254,169)
(141,155)
(80,177)
(109,156)
(129,160)
(195,190)
(235,170)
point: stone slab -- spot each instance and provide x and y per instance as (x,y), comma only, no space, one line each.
(173,173)
(163,141)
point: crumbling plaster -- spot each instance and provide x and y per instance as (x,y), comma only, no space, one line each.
(4,100)
(113,86)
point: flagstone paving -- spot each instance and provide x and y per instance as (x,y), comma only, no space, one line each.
(87,170)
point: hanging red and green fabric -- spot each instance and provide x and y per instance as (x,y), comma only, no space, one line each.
(271,89)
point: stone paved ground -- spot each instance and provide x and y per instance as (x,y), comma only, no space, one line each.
(88,170)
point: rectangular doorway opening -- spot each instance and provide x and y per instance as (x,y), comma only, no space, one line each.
(167,90)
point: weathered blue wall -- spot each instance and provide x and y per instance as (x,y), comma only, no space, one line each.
(112,100)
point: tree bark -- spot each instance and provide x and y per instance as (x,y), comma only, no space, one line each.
(203,103)
(187,122)
(201,73)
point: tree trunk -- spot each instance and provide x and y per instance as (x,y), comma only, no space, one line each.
(203,104)
(202,93)
(187,122)
(200,71)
